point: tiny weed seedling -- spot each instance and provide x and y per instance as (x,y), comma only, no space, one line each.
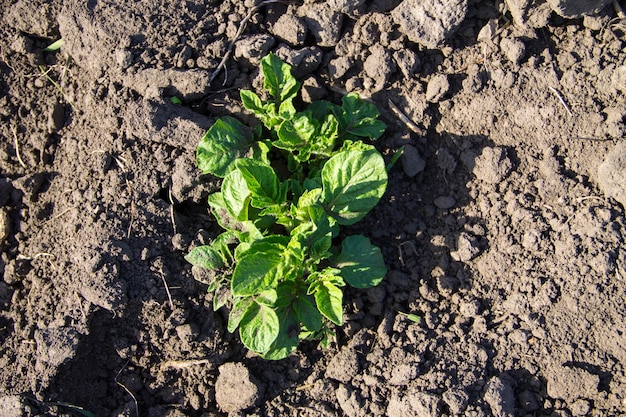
(288,185)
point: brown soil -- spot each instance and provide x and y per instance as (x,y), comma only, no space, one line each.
(503,225)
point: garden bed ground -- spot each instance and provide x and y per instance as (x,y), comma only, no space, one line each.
(502,226)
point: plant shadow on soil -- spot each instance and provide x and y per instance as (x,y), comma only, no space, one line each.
(148,348)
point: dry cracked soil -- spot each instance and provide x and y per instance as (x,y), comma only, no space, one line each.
(502,226)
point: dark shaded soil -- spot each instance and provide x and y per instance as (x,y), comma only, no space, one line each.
(502,227)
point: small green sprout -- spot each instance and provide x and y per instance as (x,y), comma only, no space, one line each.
(54,46)
(413,317)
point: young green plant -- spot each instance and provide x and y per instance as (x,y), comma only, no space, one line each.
(288,186)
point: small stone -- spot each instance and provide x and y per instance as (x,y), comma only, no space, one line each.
(312,89)
(303,61)
(412,162)
(488,32)
(123,58)
(437,88)
(444,202)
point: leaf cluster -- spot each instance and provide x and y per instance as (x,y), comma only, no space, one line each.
(288,185)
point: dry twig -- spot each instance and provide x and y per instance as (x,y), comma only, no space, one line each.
(561,99)
(405,119)
(126,389)
(172,210)
(173,364)
(17,147)
(167,289)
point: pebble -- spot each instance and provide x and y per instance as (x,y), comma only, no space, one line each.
(444,202)
(437,88)
(412,161)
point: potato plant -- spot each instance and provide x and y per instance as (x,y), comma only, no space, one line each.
(288,185)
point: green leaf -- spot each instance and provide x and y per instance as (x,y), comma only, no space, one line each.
(227,140)
(259,328)
(268,298)
(220,212)
(361,263)
(236,195)
(413,317)
(396,156)
(285,293)
(256,271)
(239,310)
(320,109)
(353,183)
(54,46)
(278,79)
(252,102)
(206,257)
(262,182)
(295,133)
(328,298)
(221,296)
(307,313)
(265,112)
(287,340)
(213,256)
(360,118)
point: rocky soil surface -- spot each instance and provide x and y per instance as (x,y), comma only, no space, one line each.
(502,226)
